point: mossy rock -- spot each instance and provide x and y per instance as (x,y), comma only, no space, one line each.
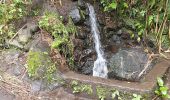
(40,66)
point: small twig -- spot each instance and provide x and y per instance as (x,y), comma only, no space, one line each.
(155,97)
(17,33)
(24,74)
(60,2)
(145,67)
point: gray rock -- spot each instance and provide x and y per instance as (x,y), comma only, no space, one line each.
(11,63)
(115,38)
(81,4)
(88,67)
(24,35)
(53,85)
(127,64)
(26,32)
(36,85)
(32,27)
(16,43)
(37,44)
(75,15)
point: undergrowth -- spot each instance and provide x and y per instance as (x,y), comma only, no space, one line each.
(63,34)
(149,18)
(40,66)
(11,10)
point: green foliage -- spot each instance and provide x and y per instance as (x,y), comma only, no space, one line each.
(49,73)
(162,90)
(115,94)
(101,92)
(110,5)
(10,11)
(147,18)
(77,88)
(137,97)
(62,34)
(33,63)
(40,66)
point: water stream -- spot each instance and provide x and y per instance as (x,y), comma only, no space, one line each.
(100,66)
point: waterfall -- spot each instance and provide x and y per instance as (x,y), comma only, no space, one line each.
(100,66)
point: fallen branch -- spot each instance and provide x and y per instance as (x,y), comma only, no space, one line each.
(17,33)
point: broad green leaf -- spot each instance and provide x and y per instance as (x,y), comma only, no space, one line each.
(160,81)
(125,5)
(113,5)
(164,90)
(157,92)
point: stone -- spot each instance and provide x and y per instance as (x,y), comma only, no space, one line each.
(16,43)
(115,38)
(127,64)
(53,85)
(24,35)
(37,44)
(87,68)
(36,85)
(78,42)
(10,62)
(26,32)
(75,15)
(81,34)
(82,4)
(33,27)
(87,22)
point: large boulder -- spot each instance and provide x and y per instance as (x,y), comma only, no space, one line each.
(128,63)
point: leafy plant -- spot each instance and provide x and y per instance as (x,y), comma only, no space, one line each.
(33,63)
(40,66)
(10,11)
(52,23)
(77,88)
(116,94)
(101,92)
(137,97)
(148,18)
(162,90)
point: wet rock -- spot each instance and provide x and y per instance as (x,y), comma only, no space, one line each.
(116,38)
(125,33)
(87,69)
(75,15)
(78,43)
(119,33)
(127,64)
(88,53)
(81,4)
(81,33)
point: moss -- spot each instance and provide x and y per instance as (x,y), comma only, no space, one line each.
(40,66)
(53,23)
(101,92)
(78,87)
(9,12)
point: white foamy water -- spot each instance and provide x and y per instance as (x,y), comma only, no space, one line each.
(100,66)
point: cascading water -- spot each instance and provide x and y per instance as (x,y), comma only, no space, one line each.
(100,66)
